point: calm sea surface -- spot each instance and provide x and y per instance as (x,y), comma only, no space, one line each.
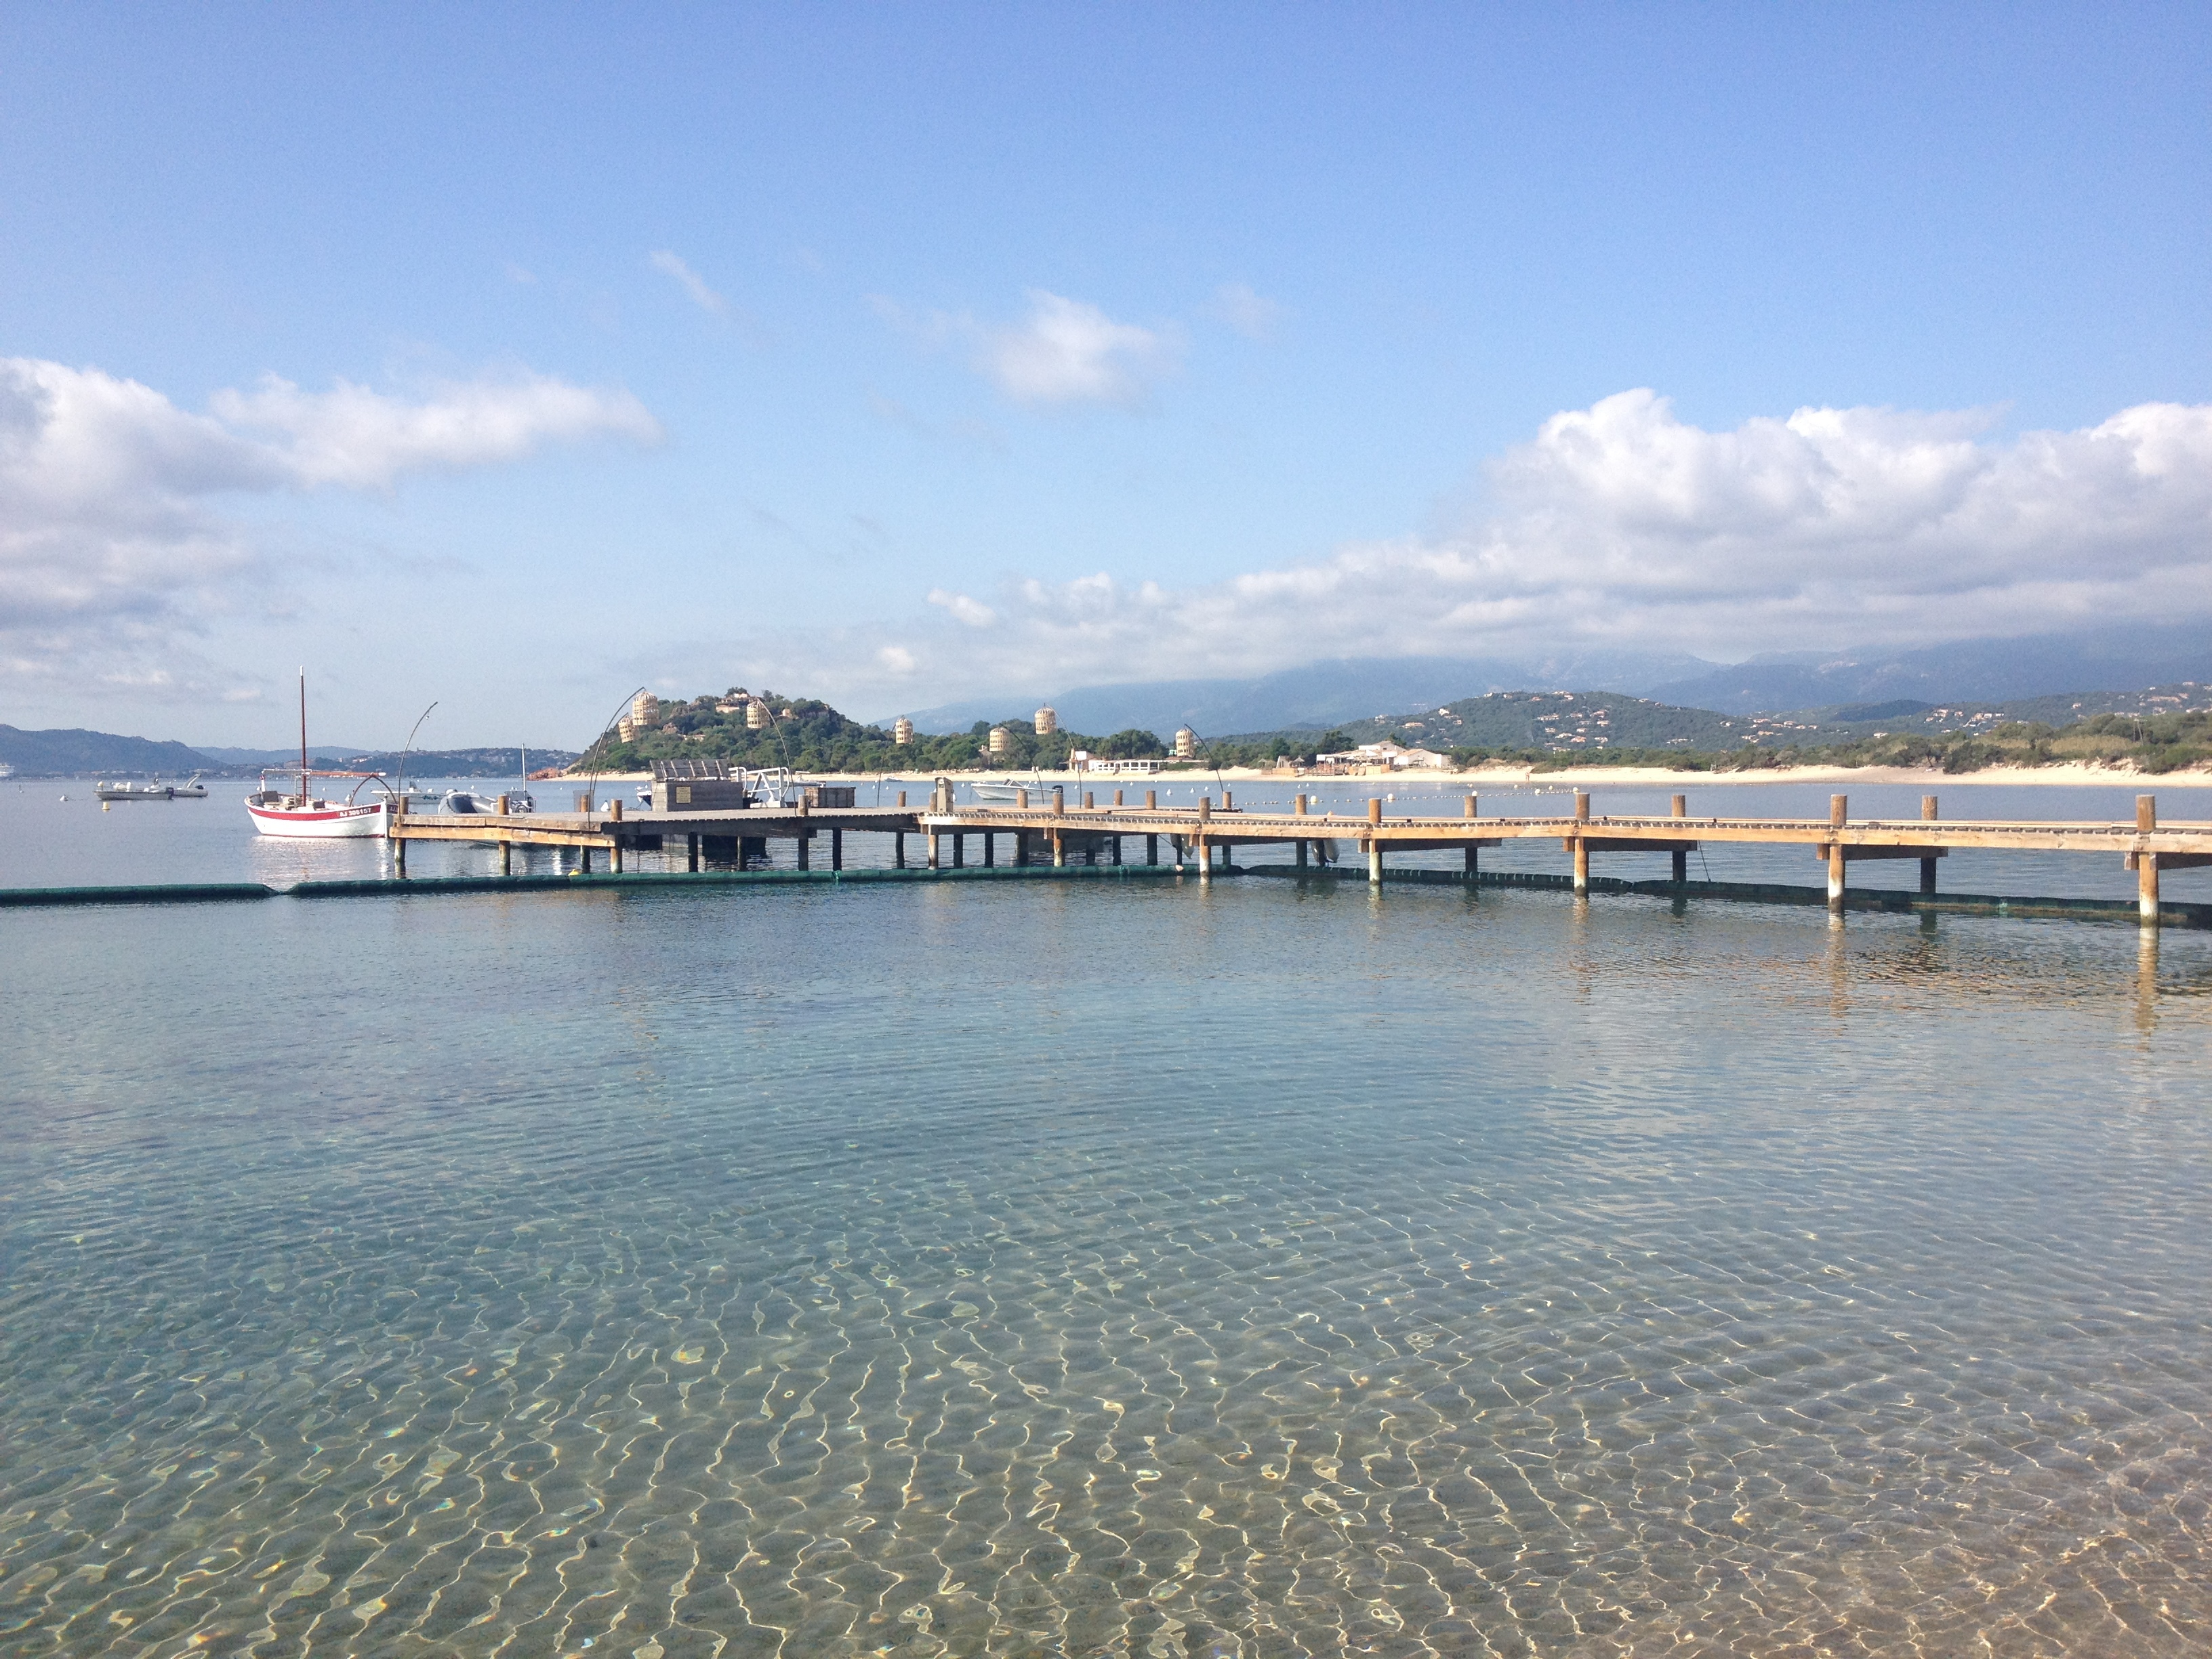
(1112,1268)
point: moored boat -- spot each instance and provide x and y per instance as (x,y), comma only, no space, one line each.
(301,813)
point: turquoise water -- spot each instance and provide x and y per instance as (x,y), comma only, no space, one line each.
(1120,1268)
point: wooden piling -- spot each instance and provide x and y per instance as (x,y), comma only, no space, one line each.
(934,850)
(1375,845)
(1060,800)
(1152,801)
(959,850)
(1469,805)
(1679,808)
(990,850)
(1090,802)
(837,849)
(1117,798)
(1059,849)
(1839,810)
(1927,866)
(1581,868)
(803,839)
(507,858)
(691,853)
(898,849)
(1152,849)
(2145,862)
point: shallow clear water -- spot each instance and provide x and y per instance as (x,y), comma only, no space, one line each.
(1117,1268)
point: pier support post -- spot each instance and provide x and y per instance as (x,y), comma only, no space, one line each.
(1375,845)
(2146,862)
(507,858)
(1091,855)
(803,837)
(1838,809)
(1679,808)
(1205,861)
(990,849)
(1059,852)
(584,861)
(1302,855)
(399,856)
(1152,849)
(1474,863)
(837,849)
(1152,801)
(932,850)
(898,849)
(1021,849)
(1114,842)
(1581,868)
(1927,866)
(692,854)
(959,850)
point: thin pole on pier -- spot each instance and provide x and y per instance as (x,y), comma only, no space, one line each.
(2146,862)
(1582,845)
(1927,814)
(1838,809)
(1375,845)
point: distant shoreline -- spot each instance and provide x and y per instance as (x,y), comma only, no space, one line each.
(2070,774)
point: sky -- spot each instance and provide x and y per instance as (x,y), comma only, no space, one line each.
(516,356)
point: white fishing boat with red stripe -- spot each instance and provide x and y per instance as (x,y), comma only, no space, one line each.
(300,813)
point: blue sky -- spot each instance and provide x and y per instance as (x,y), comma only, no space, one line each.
(903,355)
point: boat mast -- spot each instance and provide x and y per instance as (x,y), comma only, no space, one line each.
(303,735)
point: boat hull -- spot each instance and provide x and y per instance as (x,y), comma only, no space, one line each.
(319,820)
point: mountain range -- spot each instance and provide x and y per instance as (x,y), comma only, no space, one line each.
(1331,693)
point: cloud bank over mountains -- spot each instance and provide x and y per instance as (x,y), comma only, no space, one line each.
(113,528)
(1622,526)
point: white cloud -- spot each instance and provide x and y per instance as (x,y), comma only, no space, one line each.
(1253,315)
(1621,525)
(971,611)
(362,440)
(112,536)
(691,283)
(1067,351)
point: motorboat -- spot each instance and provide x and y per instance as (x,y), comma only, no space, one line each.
(302,813)
(130,789)
(471,801)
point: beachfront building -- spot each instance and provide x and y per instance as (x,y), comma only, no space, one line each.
(1386,755)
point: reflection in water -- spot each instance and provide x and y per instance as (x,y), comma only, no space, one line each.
(1127,1270)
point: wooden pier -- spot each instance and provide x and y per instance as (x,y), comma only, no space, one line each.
(1058,830)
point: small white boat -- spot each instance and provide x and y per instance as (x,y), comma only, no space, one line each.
(300,814)
(129,789)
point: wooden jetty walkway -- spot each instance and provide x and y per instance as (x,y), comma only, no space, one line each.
(1055,829)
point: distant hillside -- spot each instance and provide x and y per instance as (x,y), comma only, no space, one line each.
(1565,721)
(1987,671)
(61,754)
(1318,695)
(1544,721)
(456,763)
